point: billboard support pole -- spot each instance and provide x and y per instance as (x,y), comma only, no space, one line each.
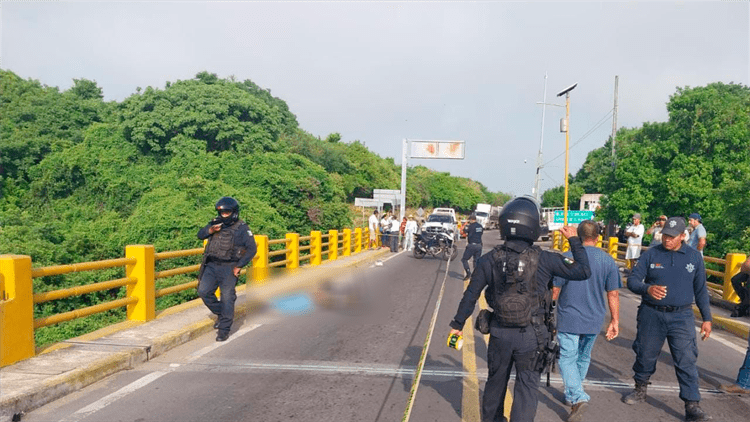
(404,155)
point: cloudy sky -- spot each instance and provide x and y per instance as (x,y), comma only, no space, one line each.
(380,72)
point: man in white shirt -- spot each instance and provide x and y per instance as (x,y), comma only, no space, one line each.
(411,228)
(634,233)
(373,226)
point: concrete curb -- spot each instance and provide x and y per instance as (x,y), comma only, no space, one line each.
(40,393)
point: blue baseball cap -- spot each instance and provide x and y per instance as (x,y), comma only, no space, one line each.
(674,226)
(695,215)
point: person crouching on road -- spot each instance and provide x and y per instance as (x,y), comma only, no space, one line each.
(518,272)
(669,277)
(230,247)
(580,314)
(473,244)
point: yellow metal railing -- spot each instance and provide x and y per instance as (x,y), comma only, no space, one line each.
(731,263)
(17,300)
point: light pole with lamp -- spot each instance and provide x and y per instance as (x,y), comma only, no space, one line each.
(566,128)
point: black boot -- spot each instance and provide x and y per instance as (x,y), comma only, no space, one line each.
(638,395)
(693,412)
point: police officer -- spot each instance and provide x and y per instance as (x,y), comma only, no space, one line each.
(669,277)
(474,244)
(512,342)
(231,246)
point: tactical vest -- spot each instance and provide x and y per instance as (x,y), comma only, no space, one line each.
(221,245)
(514,298)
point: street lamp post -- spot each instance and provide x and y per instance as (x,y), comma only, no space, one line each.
(566,92)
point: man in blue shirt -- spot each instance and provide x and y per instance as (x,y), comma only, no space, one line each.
(669,277)
(580,314)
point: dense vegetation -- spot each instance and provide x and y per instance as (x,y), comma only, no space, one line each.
(698,161)
(82,178)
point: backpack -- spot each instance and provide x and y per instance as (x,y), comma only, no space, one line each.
(513,296)
(221,244)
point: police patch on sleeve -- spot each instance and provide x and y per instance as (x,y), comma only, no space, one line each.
(568,261)
(249,232)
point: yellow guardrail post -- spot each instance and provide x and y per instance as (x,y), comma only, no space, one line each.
(556,239)
(293,246)
(347,242)
(366,238)
(358,240)
(732,267)
(599,241)
(144,288)
(565,244)
(316,247)
(333,245)
(17,316)
(612,247)
(260,260)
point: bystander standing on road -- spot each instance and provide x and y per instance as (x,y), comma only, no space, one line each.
(741,285)
(634,234)
(385,228)
(655,230)
(669,278)
(410,230)
(580,314)
(697,238)
(372,224)
(742,385)
(230,247)
(402,231)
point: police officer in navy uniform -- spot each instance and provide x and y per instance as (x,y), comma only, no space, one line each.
(474,244)
(515,345)
(669,277)
(231,246)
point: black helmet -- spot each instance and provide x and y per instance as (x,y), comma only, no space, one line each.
(519,219)
(228,203)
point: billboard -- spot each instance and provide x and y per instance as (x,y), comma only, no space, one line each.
(438,149)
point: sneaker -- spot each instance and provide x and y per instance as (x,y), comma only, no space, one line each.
(693,412)
(223,335)
(576,414)
(734,389)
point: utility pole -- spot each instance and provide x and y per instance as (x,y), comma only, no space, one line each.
(404,163)
(614,124)
(566,91)
(538,180)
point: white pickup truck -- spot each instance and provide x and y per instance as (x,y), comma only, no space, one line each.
(442,219)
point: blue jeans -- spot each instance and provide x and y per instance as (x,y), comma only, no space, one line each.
(743,377)
(575,357)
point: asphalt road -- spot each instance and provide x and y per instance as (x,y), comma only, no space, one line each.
(349,351)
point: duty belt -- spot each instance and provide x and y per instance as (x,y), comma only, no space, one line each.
(668,308)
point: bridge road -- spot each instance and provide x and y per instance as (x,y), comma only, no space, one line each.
(357,364)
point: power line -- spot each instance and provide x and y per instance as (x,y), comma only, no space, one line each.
(590,131)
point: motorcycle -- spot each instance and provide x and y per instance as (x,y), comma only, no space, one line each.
(435,243)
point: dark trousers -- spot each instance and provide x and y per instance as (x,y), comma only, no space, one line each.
(741,284)
(473,250)
(678,328)
(508,347)
(219,275)
(393,241)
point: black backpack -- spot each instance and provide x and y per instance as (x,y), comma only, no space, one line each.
(513,296)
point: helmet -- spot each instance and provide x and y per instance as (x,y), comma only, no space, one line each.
(228,203)
(519,219)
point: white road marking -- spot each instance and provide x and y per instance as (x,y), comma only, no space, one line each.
(198,353)
(145,380)
(105,401)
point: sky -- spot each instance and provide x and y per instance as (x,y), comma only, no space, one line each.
(382,72)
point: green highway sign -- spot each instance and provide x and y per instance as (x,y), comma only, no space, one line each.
(574,217)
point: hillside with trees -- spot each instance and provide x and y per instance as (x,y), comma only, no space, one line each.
(697,161)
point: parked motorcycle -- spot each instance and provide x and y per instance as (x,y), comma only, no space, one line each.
(435,242)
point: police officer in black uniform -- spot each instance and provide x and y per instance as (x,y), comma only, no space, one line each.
(512,343)
(231,246)
(474,244)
